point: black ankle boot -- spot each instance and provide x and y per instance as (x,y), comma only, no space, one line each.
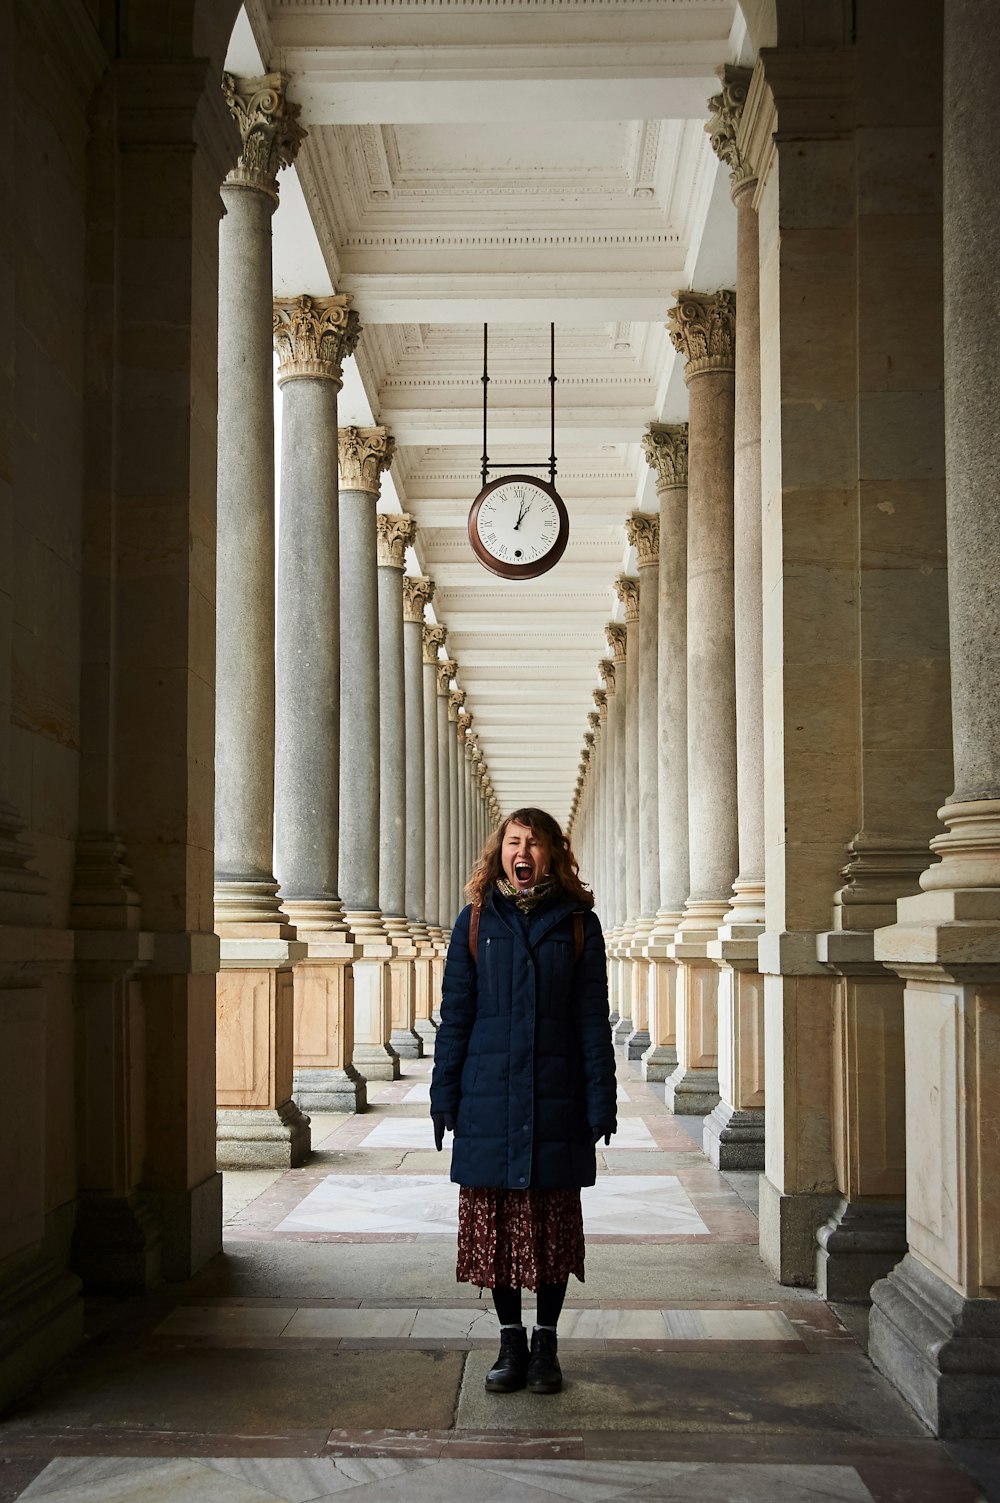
(510,1370)
(544,1372)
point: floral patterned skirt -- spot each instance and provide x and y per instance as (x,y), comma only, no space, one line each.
(518,1239)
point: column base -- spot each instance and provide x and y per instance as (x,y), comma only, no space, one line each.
(427,1029)
(190,1227)
(637,1043)
(733,1138)
(262,1137)
(377,1061)
(407,1043)
(941,1350)
(117,1246)
(692,1092)
(41,1312)
(788,1226)
(858,1245)
(328,1088)
(659,1062)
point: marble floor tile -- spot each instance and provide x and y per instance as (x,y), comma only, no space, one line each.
(612,1325)
(366,1323)
(716,1482)
(729,1325)
(419,1092)
(639,1205)
(292,1479)
(160,1482)
(466,1324)
(633,1133)
(224,1320)
(401,1132)
(360,1203)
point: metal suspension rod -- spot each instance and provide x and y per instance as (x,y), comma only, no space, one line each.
(552,402)
(486,382)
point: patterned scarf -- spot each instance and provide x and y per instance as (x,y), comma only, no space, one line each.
(530,897)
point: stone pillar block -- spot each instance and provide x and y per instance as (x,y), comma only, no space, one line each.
(693,1088)
(660,1059)
(374,1056)
(325,1079)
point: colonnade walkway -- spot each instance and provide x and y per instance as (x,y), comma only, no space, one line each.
(329,1351)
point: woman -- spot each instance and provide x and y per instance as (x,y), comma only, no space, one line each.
(524,1075)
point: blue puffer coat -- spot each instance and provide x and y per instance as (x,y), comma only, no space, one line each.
(523,1058)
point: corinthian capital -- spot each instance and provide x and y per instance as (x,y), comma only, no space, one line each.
(445,674)
(601,695)
(702,328)
(456,699)
(313,336)
(418,592)
(364,453)
(665,446)
(727,107)
(593,720)
(434,638)
(627,590)
(269,129)
(464,726)
(394,532)
(643,533)
(615,633)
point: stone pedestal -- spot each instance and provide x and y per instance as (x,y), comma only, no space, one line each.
(734,1133)
(660,1059)
(324,1078)
(692,1090)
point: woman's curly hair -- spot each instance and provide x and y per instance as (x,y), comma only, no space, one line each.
(565,867)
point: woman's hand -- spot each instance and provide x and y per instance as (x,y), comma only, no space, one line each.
(606,1132)
(443,1122)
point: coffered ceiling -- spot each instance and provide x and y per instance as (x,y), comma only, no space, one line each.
(510,162)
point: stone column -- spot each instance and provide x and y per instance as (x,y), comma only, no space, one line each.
(417,595)
(643,533)
(433,641)
(935,1321)
(666,449)
(464,771)
(258,1123)
(456,699)
(621,1003)
(702,330)
(363,455)
(601,808)
(606,668)
(445,673)
(627,590)
(394,534)
(734,1133)
(312,337)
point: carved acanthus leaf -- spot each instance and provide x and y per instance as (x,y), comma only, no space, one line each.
(665,446)
(434,638)
(601,695)
(313,336)
(643,533)
(627,590)
(394,532)
(727,107)
(269,129)
(364,454)
(593,720)
(445,674)
(606,668)
(456,699)
(702,328)
(418,592)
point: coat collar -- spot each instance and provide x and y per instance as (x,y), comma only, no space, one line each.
(558,909)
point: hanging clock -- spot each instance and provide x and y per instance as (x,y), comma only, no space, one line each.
(518,526)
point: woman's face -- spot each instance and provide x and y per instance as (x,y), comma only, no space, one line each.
(525,855)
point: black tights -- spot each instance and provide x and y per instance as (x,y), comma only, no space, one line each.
(549,1304)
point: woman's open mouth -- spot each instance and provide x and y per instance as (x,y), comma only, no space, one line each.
(523,872)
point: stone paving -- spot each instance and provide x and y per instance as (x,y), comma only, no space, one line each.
(329,1351)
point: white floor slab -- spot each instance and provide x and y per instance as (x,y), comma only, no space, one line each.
(419,1092)
(729,1325)
(633,1133)
(401,1132)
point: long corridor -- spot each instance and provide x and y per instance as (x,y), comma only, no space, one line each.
(329,1351)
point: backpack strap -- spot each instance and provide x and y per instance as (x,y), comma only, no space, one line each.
(577,935)
(474,933)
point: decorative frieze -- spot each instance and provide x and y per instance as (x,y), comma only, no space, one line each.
(418,592)
(269,128)
(434,639)
(394,532)
(727,110)
(643,532)
(606,668)
(702,328)
(313,336)
(364,453)
(445,674)
(627,590)
(665,446)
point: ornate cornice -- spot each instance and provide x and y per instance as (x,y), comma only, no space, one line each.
(394,532)
(727,110)
(364,453)
(269,129)
(616,635)
(313,336)
(627,590)
(418,592)
(601,695)
(665,446)
(434,638)
(445,674)
(643,532)
(702,328)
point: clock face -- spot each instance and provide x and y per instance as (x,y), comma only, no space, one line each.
(518,526)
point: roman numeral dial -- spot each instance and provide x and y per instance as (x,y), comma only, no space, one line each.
(518,526)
